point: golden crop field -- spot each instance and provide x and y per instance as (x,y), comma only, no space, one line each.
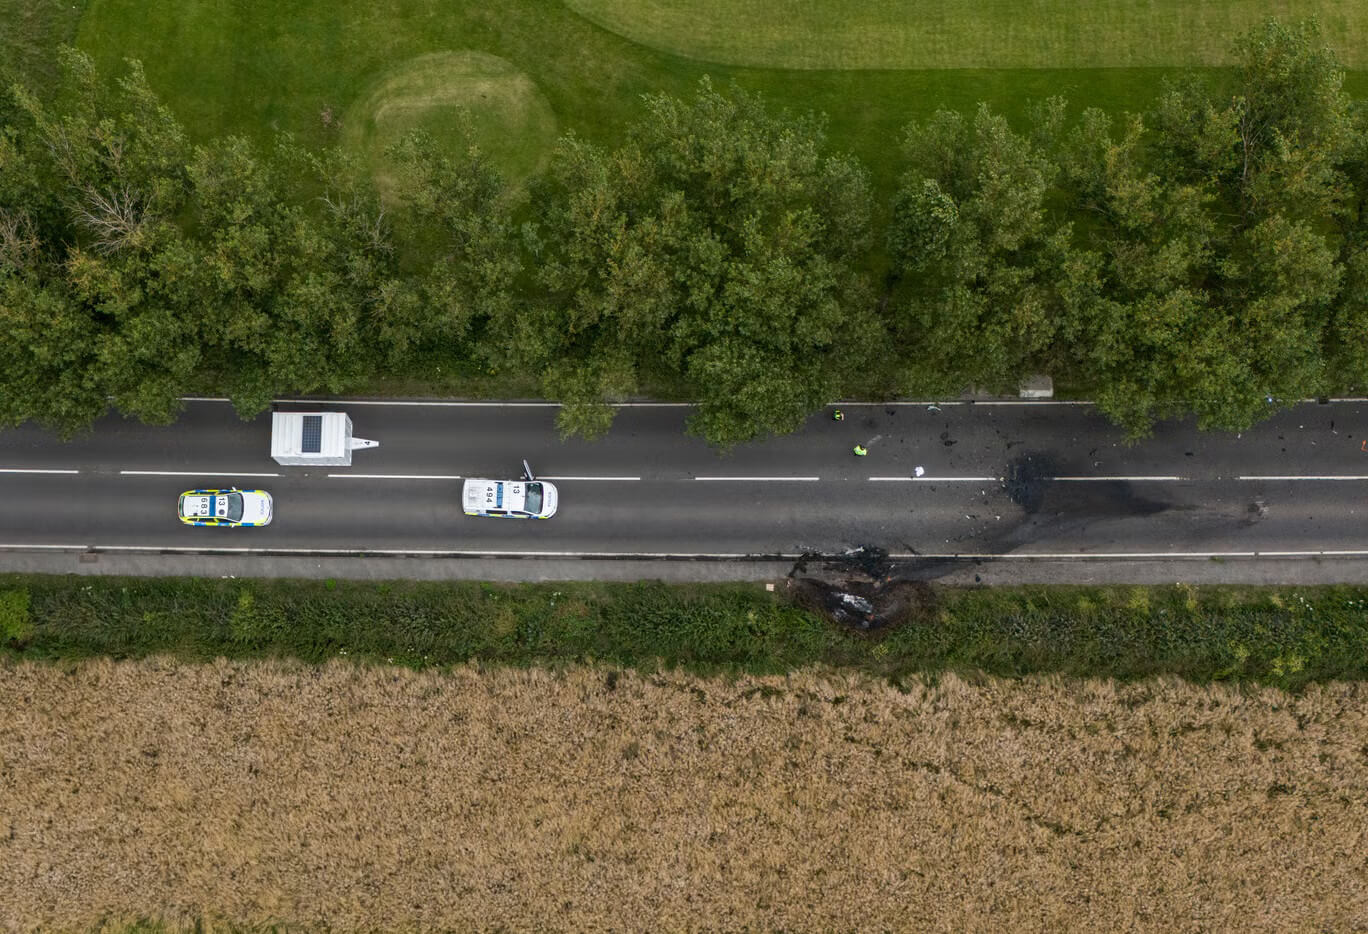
(585,800)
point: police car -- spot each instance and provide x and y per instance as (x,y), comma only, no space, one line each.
(231,507)
(510,499)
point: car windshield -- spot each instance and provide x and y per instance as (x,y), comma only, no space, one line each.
(234,512)
(534,498)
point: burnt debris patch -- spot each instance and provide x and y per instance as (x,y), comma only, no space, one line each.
(865,605)
(862,588)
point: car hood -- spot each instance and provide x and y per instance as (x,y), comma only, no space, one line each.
(550,499)
(256,507)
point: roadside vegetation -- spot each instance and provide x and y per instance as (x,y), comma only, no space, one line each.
(1287,638)
(235,796)
(1200,258)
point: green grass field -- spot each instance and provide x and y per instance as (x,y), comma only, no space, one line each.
(251,67)
(898,34)
(30,31)
(451,93)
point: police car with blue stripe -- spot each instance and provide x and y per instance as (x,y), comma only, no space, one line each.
(527,498)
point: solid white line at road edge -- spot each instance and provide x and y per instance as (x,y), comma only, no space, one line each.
(192,473)
(34,470)
(450,404)
(900,556)
(906,403)
(587,478)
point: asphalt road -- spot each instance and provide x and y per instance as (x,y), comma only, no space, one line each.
(1040,479)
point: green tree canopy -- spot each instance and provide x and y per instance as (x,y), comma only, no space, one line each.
(298,287)
(1214,219)
(457,217)
(104,306)
(992,287)
(135,268)
(716,250)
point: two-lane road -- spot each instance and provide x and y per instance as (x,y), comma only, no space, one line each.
(997,478)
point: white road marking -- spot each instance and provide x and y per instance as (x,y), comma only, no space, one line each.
(439,403)
(588,478)
(192,473)
(942,403)
(399,476)
(34,470)
(449,403)
(1304,477)
(929,479)
(1127,479)
(767,556)
(762,479)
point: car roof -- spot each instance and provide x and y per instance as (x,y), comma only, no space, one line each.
(483,494)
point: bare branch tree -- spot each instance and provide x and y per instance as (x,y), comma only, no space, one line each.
(19,243)
(117,218)
(352,212)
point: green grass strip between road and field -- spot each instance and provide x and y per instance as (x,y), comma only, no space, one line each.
(1283,637)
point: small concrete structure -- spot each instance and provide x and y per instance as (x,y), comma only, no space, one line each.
(306,439)
(1037,387)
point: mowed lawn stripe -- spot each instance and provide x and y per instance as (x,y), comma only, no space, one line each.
(877,34)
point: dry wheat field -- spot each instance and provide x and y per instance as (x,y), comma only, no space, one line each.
(585,800)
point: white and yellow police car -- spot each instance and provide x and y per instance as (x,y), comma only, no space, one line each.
(232,507)
(510,499)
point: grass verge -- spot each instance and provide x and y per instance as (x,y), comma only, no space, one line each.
(1281,637)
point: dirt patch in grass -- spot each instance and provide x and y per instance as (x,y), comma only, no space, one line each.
(594,800)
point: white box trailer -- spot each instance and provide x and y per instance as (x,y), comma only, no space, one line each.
(306,439)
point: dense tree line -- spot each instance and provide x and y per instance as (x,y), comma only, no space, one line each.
(1201,258)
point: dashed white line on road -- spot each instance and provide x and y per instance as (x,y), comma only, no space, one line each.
(34,470)
(398,476)
(192,473)
(930,479)
(1126,479)
(454,476)
(763,479)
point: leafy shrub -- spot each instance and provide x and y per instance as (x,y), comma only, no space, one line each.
(15,626)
